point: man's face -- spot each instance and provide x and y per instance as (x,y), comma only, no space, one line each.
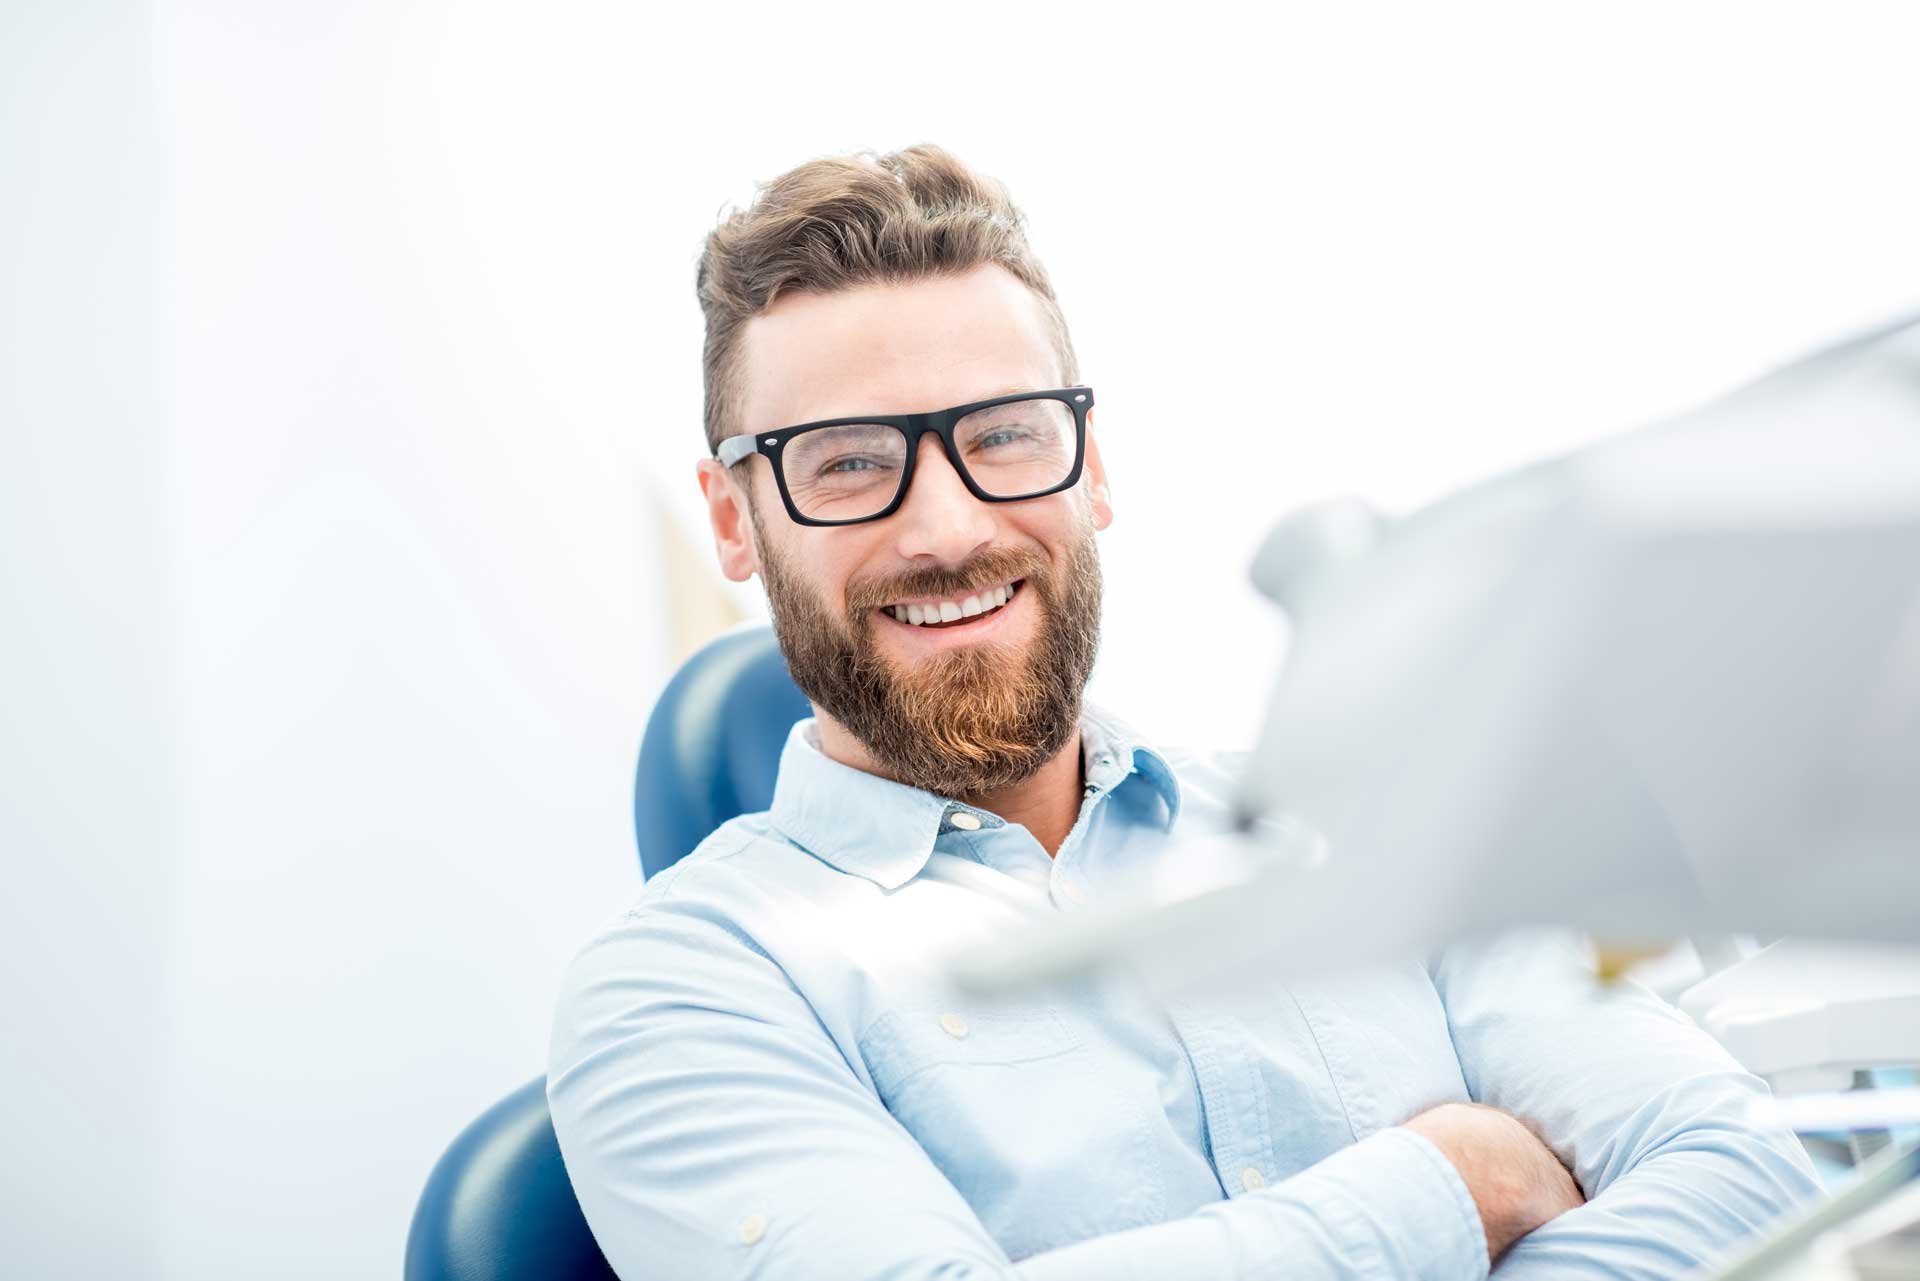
(971,706)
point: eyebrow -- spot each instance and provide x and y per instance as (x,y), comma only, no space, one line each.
(1012,389)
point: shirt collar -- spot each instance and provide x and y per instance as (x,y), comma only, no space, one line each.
(884,831)
(1113,750)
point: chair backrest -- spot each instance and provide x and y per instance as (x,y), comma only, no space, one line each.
(712,746)
(498,1206)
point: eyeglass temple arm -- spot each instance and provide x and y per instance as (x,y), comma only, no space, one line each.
(734,448)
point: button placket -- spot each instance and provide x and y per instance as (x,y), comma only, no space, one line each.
(1228,1142)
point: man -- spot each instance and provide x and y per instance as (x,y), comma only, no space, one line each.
(756,1070)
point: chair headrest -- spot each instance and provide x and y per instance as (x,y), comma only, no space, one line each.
(712,746)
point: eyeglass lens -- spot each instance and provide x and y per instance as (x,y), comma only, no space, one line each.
(854,470)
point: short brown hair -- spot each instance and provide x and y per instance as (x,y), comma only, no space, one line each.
(844,221)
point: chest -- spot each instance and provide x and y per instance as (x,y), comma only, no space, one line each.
(1099,1108)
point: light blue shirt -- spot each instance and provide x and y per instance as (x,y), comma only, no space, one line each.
(756,1072)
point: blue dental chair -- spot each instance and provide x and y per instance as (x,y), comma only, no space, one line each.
(498,1206)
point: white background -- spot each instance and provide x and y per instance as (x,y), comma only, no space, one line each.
(349,360)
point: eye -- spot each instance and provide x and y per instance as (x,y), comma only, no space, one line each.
(853,467)
(1001,436)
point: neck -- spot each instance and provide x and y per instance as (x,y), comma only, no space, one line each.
(1046,803)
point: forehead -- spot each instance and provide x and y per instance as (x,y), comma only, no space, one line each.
(895,348)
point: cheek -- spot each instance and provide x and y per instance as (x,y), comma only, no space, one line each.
(830,568)
(1069,526)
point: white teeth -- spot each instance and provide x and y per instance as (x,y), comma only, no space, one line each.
(948,611)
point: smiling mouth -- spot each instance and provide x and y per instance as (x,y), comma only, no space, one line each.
(959,611)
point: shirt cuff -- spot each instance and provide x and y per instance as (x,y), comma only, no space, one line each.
(1407,1207)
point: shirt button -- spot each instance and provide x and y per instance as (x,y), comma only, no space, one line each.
(1252,1180)
(966,822)
(752,1228)
(954,1025)
(1073,892)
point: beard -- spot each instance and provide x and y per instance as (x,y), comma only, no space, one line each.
(962,722)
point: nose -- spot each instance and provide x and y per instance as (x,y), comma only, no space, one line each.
(940,517)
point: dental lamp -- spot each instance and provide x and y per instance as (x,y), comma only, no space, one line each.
(1666,685)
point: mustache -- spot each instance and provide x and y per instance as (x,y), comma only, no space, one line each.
(987,569)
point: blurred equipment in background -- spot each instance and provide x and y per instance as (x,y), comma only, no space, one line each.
(1870,1231)
(1666,686)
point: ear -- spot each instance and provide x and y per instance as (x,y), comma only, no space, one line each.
(732,523)
(1099,497)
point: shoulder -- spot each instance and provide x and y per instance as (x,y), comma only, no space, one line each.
(731,899)
(735,843)
(1204,765)
(718,879)
(1206,779)
(691,938)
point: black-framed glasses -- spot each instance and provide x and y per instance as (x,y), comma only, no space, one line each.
(841,471)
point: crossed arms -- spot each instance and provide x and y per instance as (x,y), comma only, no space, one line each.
(713,1129)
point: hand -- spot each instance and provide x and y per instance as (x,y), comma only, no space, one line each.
(1516,1182)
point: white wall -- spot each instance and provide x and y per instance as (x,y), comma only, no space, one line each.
(421,624)
(90,801)
(351,562)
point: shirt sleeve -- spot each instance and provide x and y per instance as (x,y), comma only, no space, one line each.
(713,1128)
(1664,1131)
